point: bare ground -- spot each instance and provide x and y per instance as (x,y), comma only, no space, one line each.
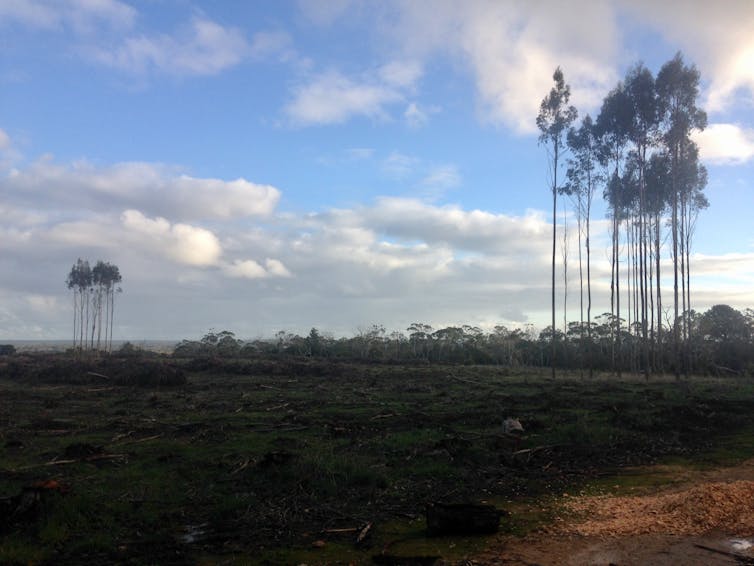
(713,509)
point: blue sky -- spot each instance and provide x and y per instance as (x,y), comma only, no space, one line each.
(260,166)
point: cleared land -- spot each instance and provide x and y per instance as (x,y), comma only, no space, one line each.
(288,461)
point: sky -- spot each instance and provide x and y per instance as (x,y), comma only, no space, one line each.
(266,166)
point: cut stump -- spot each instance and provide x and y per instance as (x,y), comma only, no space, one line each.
(462,519)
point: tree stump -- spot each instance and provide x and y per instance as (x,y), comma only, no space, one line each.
(462,519)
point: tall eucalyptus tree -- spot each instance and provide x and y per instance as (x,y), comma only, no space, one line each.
(584,177)
(554,119)
(93,291)
(613,127)
(643,133)
(678,90)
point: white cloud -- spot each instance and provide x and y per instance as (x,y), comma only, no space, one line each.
(333,98)
(417,116)
(473,230)
(9,155)
(250,269)
(154,188)
(513,49)
(267,44)
(442,177)
(323,12)
(398,165)
(183,243)
(401,74)
(81,15)
(203,48)
(717,36)
(247,269)
(276,268)
(4,140)
(726,144)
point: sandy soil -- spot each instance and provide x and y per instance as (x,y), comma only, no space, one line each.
(712,509)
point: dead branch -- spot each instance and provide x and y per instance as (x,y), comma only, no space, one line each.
(364,532)
(138,440)
(242,466)
(281,429)
(339,531)
(95,374)
(378,417)
(93,458)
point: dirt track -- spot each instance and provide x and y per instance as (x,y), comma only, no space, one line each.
(713,509)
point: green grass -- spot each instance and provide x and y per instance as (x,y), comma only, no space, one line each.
(274,460)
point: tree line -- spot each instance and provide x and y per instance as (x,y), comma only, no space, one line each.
(722,343)
(94,290)
(639,152)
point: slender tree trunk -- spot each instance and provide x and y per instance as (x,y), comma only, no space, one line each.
(674,223)
(684,306)
(579,219)
(660,360)
(643,258)
(75,314)
(618,338)
(689,234)
(112,316)
(651,294)
(99,310)
(82,323)
(613,270)
(565,272)
(554,238)
(589,286)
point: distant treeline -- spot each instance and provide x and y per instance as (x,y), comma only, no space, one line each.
(721,342)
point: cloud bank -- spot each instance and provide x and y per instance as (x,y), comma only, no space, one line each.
(243,266)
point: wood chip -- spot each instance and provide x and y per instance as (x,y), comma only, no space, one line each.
(694,511)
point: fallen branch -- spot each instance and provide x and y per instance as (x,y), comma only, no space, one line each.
(340,531)
(95,374)
(94,458)
(281,429)
(534,450)
(137,440)
(242,466)
(364,532)
(378,417)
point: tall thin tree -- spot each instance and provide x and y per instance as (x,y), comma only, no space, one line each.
(583,178)
(678,90)
(555,117)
